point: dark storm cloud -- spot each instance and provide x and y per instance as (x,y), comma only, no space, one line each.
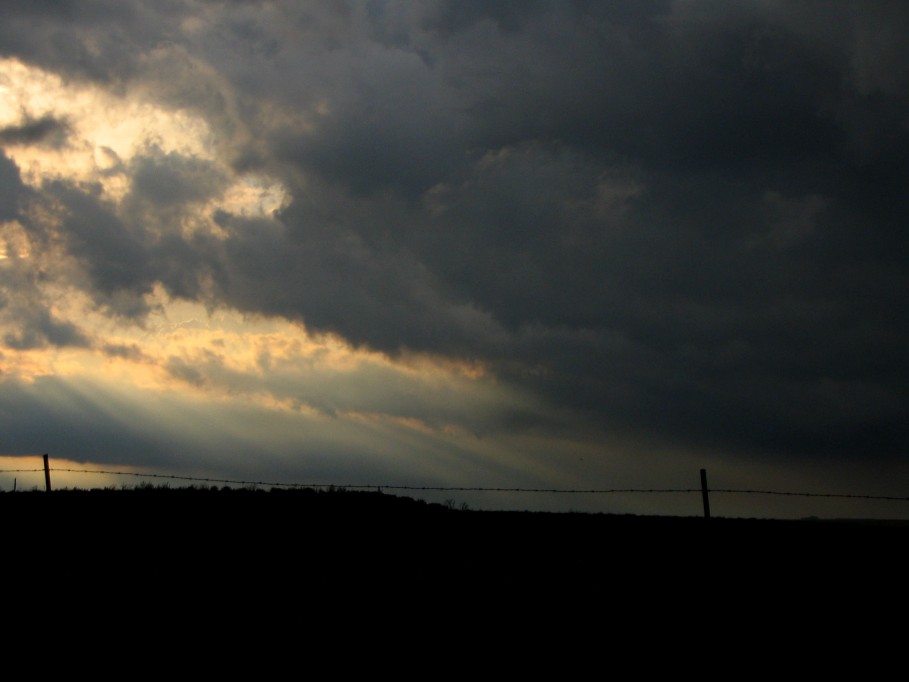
(11,188)
(27,312)
(690,219)
(112,253)
(179,369)
(686,219)
(335,280)
(162,180)
(45,130)
(119,350)
(100,39)
(39,329)
(125,249)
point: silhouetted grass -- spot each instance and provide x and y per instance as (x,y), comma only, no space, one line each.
(227,511)
(284,548)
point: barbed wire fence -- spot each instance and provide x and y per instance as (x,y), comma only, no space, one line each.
(208,481)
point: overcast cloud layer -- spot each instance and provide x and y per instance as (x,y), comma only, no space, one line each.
(679,220)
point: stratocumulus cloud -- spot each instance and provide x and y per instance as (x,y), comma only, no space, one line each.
(572,224)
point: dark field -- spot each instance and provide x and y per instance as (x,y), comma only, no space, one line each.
(233,559)
(334,526)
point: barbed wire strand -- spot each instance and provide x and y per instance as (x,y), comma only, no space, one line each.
(591,491)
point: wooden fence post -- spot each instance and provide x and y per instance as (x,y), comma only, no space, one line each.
(47,485)
(704,494)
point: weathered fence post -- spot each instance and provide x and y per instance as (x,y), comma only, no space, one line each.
(704,494)
(47,485)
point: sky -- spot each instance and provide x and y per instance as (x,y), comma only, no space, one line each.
(525,245)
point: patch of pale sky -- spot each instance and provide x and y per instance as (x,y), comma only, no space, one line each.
(235,355)
(13,241)
(102,125)
(25,365)
(27,473)
(107,131)
(253,196)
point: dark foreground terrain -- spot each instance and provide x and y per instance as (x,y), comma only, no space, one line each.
(270,564)
(337,527)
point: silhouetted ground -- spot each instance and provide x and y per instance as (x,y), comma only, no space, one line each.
(367,565)
(268,574)
(294,548)
(373,524)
